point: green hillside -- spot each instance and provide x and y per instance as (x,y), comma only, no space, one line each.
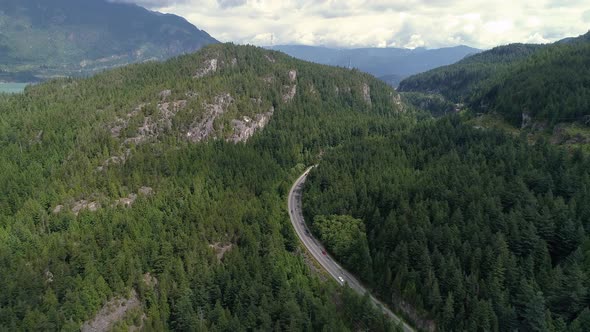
(40,39)
(168,181)
(551,86)
(526,84)
(459,81)
(471,228)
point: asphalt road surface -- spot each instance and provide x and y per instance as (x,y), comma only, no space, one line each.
(342,276)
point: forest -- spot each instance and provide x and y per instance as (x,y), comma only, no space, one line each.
(168,182)
(475,228)
(548,83)
(103,195)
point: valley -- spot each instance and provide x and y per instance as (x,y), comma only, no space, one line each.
(153,178)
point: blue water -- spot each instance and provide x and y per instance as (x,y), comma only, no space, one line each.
(13,87)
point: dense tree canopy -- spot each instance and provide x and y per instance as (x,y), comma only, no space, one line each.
(548,83)
(475,229)
(61,146)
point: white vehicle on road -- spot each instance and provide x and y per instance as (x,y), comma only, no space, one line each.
(341,280)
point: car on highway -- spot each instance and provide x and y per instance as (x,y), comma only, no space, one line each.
(324,252)
(341,280)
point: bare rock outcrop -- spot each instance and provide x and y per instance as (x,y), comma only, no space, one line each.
(81,205)
(165,94)
(289,92)
(208,67)
(246,127)
(204,128)
(112,312)
(154,125)
(292,75)
(397,100)
(127,201)
(366,91)
(58,209)
(146,191)
(131,198)
(269,58)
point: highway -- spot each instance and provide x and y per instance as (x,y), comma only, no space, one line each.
(320,253)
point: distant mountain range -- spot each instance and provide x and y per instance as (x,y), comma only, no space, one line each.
(41,39)
(389,64)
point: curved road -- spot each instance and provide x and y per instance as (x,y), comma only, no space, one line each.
(321,255)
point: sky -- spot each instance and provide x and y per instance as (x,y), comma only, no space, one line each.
(382,23)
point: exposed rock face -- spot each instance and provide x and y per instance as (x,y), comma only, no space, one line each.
(111,313)
(48,277)
(165,94)
(150,280)
(269,58)
(85,205)
(154,125)
(58,209)
(169,110)
(245,128)
(366,90)
(397,100)
(146,191)
(127,201)
(289,92)
(292,75)
(131,198)
(209,66)
(116,160)
(204,128)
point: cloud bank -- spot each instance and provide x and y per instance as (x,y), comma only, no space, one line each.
(383,23)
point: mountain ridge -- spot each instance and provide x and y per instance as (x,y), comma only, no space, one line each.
(74,38)
(380,62)
(525,83)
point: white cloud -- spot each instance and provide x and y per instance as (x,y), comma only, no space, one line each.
(380,23)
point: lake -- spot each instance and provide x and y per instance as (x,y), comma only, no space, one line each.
(12,87)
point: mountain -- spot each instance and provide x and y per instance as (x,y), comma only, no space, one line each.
(159,189)
(380,62)
(526,84)
(458,81)
(41,39)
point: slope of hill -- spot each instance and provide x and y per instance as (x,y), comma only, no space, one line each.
(551,86)
(546,84)
(476,229)
(459,81)
(165,183)
(394,63)
(70,37)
